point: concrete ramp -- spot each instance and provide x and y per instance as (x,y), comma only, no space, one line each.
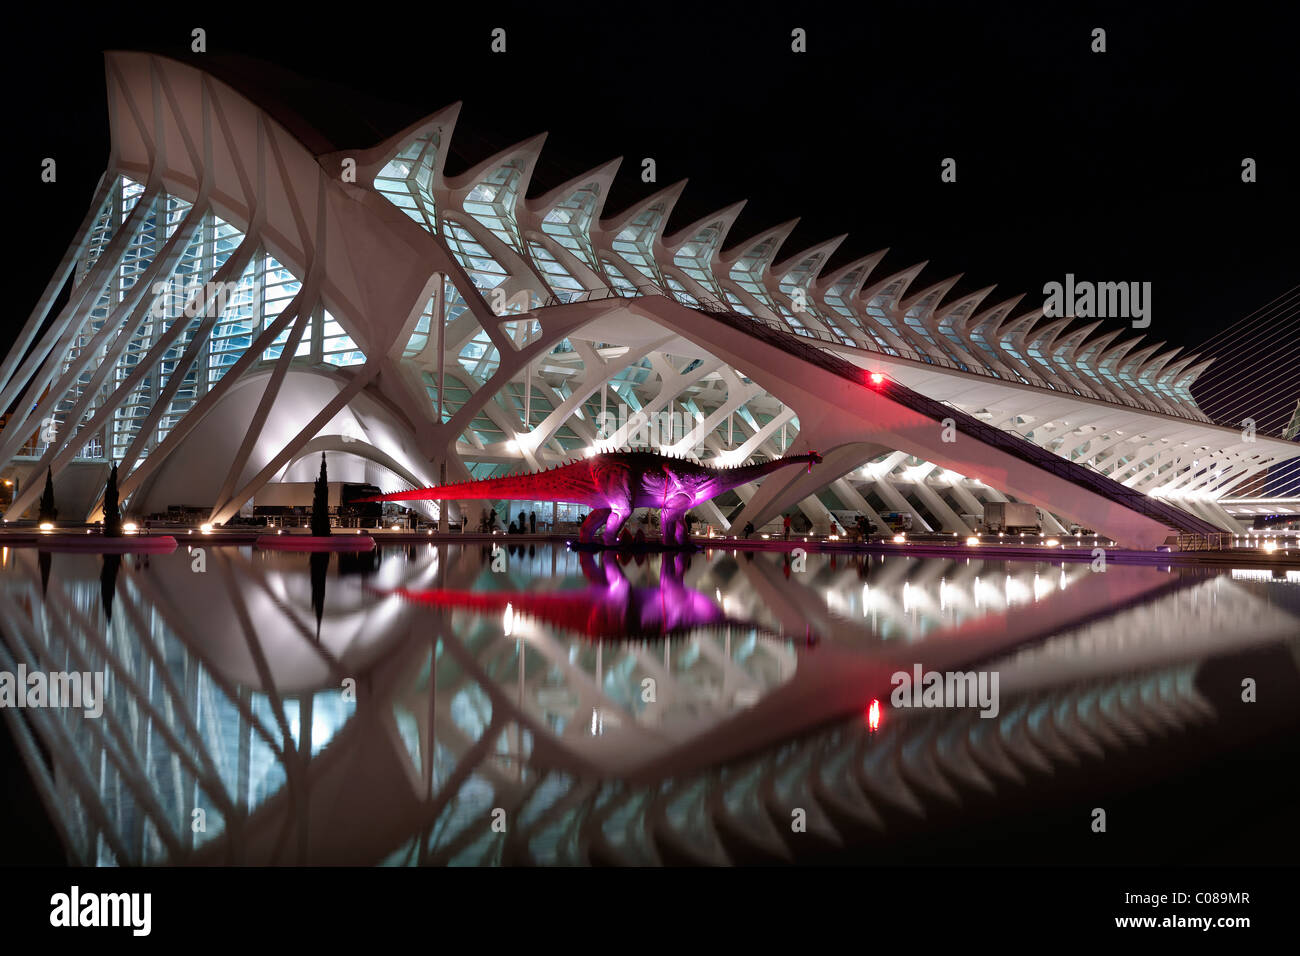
(840,404)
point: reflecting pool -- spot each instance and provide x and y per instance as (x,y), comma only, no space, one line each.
(533,705)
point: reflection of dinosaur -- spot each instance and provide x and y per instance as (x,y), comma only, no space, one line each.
(610,608)
(612,484)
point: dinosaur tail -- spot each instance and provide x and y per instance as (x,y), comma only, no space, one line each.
(743,474)
(570,483)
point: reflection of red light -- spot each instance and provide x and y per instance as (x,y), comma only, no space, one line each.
(873,716)
(876,378)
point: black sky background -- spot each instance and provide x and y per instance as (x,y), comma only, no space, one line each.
(1122,166)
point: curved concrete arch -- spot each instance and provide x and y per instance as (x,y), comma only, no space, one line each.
(306,213)
(192,480)
(781,491)
(346,445)
(834,412)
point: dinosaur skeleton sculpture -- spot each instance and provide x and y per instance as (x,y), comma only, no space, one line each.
(613,484)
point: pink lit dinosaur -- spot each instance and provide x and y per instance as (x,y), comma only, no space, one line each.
(613,484)
(610,608)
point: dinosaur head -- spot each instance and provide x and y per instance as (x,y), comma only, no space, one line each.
(813,459)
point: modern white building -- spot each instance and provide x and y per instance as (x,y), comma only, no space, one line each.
(239,302)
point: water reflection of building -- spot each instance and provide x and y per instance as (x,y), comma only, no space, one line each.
(223,698)
(608,608)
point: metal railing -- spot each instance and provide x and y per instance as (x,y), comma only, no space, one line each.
(1218,541)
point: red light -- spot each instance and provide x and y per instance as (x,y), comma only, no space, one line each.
(876,378)
(873,716)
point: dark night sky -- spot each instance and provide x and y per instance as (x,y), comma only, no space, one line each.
(1123,166)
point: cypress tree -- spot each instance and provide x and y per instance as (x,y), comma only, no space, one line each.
(320,503)
(112,514)
(48,512)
